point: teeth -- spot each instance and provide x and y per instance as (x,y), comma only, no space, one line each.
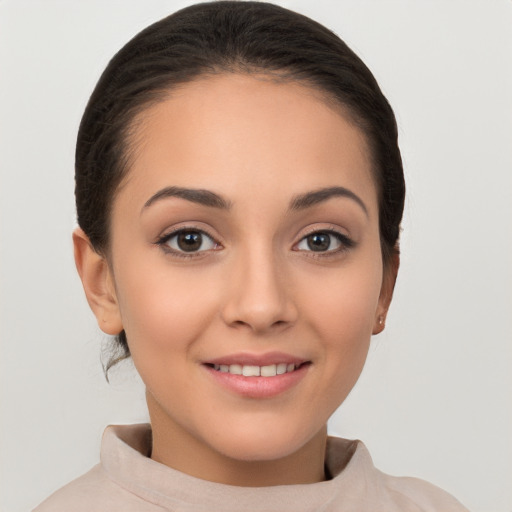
(270,370)
(281,368)
(235,369)
(251,371)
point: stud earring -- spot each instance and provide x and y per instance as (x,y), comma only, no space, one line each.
(381,320)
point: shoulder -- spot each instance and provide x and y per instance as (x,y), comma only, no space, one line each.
(105,486)
(419,495)
(92,492)
(77,495)
(368,486)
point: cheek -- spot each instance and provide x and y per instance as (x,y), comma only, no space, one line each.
(162,311)
(343,303)
(340,311)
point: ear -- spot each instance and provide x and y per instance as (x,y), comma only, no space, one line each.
(386,293)
(98,284)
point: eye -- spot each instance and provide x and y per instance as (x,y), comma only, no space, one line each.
(188,241)
(324,241)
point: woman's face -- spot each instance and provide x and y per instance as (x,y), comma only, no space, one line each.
(245,239)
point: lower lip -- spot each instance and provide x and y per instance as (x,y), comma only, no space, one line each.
(259,387)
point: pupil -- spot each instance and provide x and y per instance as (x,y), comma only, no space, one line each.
(189,241)
(319,242)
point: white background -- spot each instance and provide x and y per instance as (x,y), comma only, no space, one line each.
(435,398)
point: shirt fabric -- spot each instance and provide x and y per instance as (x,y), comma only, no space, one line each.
(128,480)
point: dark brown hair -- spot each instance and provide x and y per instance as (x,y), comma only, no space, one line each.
(220,37)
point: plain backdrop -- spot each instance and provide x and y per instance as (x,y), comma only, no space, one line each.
(435,399)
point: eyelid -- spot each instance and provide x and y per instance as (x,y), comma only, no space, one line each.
(326,228)
(345,240)
(162,241)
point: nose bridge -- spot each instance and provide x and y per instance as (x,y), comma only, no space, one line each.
(259,292)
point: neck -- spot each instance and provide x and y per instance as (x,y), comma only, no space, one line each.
(179,449)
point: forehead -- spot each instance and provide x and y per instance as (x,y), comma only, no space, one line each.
(249,133)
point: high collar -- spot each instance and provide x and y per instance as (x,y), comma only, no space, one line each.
(124,457)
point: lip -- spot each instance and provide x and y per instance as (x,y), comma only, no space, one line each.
(246,358)
(258,387)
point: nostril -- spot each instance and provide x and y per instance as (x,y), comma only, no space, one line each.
(241,323)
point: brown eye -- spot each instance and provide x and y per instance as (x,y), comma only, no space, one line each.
(324,242)
(319,242)
(189,241)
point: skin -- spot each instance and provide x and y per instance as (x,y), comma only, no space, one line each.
(256,287)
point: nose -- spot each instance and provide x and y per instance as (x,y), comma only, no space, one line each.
(259,294)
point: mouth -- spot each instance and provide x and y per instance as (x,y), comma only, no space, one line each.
(249,370)
(258,376)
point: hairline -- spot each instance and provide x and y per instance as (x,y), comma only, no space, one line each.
(130,134)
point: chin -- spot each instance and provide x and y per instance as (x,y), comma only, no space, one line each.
(264,444)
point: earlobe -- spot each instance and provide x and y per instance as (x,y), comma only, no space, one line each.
(386,293)
(98,284)
(379,325)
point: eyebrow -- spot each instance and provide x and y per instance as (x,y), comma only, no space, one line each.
(195,195)
(310,199)
(213,200)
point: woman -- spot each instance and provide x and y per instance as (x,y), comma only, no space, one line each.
(239,193)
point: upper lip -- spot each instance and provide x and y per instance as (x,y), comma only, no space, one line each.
(245,358)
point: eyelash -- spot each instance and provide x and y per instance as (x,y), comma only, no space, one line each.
(164,240)
(346,243)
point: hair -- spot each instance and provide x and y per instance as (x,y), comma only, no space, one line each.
(227,37)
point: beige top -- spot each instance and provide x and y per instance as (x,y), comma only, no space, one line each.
(127,480)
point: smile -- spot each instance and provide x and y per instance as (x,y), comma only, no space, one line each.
(270,370)
(258,376)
